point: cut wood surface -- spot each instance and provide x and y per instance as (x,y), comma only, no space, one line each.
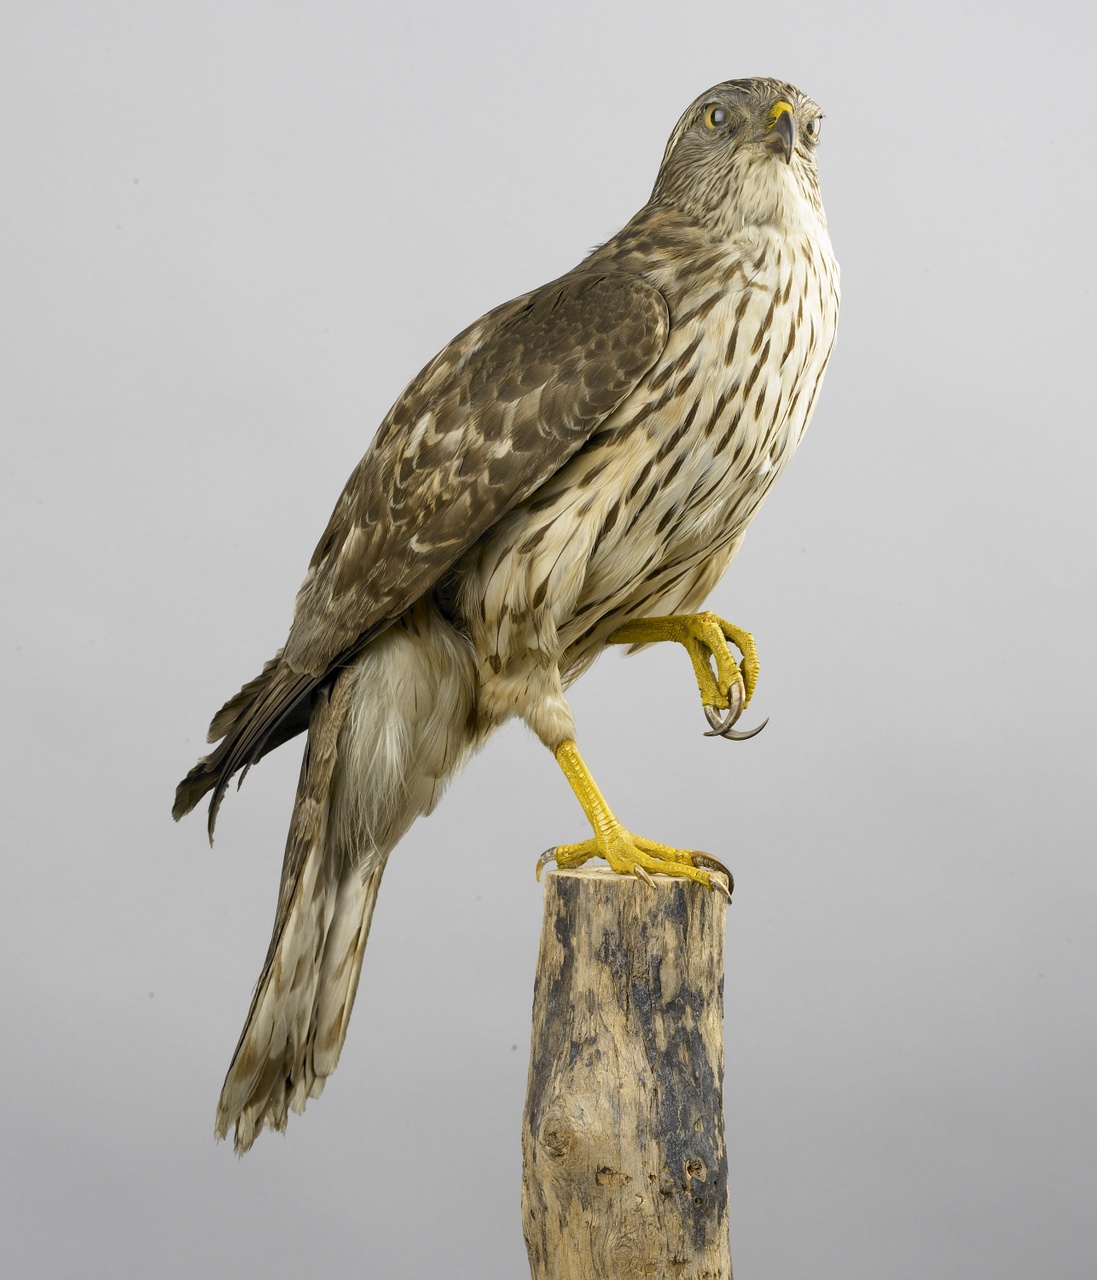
(624,1162)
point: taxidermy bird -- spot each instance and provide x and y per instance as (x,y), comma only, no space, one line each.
(576,469)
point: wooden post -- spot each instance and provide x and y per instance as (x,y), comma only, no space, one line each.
(624,1164)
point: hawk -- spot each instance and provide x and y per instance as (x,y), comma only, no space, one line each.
(576,469)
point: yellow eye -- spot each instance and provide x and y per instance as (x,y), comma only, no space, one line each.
(715,116)
(814,127)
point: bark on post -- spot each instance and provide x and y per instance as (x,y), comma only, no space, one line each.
(624,1163)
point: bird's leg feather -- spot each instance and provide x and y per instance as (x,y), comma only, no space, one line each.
(626,853)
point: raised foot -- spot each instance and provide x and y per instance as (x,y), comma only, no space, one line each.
(725,684)
(629,854)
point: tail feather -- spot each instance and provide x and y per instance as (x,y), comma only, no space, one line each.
(270,1070)
(383,738)
(341,969)
(298,1023)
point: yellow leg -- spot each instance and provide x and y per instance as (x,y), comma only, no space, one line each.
(626,853)
(705,637)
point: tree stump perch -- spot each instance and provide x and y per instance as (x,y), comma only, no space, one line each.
(624,1161)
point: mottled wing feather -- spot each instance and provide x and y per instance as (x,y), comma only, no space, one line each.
(488,421)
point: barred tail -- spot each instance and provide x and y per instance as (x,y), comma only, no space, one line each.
(383,740)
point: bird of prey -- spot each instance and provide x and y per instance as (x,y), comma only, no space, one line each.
(576,469)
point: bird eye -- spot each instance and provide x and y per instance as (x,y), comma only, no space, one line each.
(814,127)
(715,116)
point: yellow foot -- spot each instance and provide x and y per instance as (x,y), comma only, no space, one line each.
(725,684)
(628,854)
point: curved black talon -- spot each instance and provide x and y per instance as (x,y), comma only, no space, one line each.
(723,726)
(706,862)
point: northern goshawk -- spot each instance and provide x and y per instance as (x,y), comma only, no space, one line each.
(578,460)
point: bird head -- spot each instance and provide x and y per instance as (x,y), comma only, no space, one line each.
(743,154)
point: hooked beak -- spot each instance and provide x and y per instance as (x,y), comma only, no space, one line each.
(780,134)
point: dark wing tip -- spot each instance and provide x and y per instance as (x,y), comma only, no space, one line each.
(257,719)
(204,777)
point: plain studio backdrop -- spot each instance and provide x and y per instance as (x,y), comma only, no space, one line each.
(230,235)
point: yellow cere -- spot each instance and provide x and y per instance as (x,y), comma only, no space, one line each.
(779,109)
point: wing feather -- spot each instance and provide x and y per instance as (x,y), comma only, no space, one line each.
(487,422)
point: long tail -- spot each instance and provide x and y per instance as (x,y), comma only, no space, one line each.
(383,740)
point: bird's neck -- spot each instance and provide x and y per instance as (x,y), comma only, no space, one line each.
(661,242)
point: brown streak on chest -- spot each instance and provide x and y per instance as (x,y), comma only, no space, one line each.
(763,328)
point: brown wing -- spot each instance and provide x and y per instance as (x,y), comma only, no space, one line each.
(487,422)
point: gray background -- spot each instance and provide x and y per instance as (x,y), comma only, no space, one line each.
(230,235)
